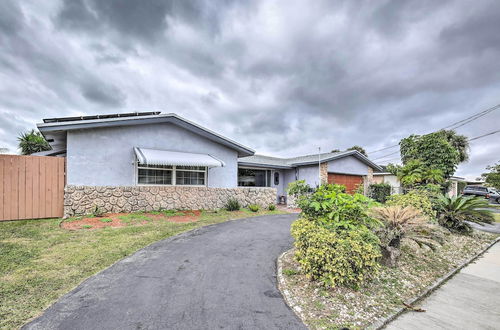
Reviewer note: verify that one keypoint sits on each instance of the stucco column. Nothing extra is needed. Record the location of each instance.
(368, 179)
(323, 170)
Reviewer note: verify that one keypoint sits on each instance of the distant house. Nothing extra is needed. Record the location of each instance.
(385, 176)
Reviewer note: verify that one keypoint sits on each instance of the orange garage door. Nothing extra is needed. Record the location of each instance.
(351, 182)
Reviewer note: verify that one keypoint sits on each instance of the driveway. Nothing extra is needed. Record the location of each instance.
(216, 277)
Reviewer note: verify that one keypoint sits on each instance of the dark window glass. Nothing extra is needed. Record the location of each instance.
(190, 178)
(253, 178)
(150, 176)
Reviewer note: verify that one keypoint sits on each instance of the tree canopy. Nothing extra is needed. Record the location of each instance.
(31, 142)
(492, 178)
(358, 148)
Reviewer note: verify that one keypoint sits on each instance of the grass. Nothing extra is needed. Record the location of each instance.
(497, 217)
(40, 261)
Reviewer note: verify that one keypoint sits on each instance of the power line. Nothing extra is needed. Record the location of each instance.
(481, 136)
(392, 153)
(454, 125)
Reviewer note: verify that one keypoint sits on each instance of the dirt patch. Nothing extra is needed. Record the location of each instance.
(116, 220)
(284, 208)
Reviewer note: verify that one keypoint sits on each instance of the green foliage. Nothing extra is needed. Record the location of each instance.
(97, 212)
(331, 207)
(461, 186)
(345, 258)
(492, 178)
(414, 173)
(31, 142)
(87, 226)
(358, 148)
(454, 211)
(271, 207)
(298, 188)
(253, 207)
(379, 191)
(232, 204)
(335, 150)
(442, 151)
(419, 199)
(105, 220)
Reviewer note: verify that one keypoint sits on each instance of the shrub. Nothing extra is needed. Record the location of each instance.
(419, 199)
(454, 211)
(379, 191)
(97, 212)
(232, 204)
(253, 207)
(335, 258)
(334, 209)
(271, 207)
(398, 223)
(298, 188)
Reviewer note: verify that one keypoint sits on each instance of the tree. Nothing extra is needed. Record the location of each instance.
(335, 150)
(492, 178)
(358, 148)
(415, 173)
(435, 151)
(31, 142)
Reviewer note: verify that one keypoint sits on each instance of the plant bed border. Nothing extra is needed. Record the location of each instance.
(294, 305)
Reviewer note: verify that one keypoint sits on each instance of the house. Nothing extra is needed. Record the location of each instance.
(387, 177)
(349, 168)
(144, 161)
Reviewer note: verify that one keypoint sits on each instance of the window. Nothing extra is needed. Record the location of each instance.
(254, 178)
(171, 175)
(276, 178)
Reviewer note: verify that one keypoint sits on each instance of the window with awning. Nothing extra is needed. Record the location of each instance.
(163, 167)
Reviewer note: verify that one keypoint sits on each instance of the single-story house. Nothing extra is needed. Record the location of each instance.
(119, 155)
(387, 177)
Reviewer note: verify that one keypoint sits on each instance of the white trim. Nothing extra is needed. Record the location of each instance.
(174, 176)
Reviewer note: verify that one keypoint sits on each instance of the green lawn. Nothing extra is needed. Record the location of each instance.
(39, 261)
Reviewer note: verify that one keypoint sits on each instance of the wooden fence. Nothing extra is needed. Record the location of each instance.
(31, 187)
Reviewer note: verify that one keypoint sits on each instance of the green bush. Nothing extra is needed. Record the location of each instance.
(253, 207)
(346, 257)
(379, 191)
(331, 207)
(232, 204)
(454, 211)
(419, 199)
(298, 188)
(271, 207)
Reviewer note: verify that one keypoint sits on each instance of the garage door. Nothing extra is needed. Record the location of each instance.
(351, 182)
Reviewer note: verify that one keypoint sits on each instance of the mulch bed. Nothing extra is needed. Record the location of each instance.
(333, 308)
(116, 220)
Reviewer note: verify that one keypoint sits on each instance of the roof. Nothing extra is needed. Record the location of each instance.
(276, 162)
(166, 157)
(54, 130)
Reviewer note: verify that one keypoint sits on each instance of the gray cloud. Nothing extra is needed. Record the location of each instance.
(282, 77)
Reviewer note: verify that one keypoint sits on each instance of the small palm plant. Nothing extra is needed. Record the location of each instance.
(398, 223)
(453, 212)
(31, 142)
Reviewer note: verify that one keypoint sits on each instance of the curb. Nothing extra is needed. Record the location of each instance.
(440, 281)
(289, 299)
(294, 305)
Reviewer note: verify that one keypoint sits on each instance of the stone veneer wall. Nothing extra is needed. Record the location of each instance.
(79, 200)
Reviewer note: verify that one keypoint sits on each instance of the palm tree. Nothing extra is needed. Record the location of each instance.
(454, 211)
(31, 142)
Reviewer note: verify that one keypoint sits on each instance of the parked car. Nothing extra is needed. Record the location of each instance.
(485, 192)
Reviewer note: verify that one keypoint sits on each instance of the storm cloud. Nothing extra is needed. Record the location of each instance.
(283, 77)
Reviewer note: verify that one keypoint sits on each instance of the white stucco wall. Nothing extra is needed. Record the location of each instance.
(348, 165)
(105, 156)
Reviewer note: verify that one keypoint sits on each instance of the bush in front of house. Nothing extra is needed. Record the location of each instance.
(232, 204)
(379, 191)
(454, 211)
(330, 206)
(402, 223)
(344, 257)
(253, 207)
(418, 198)
(271, 207)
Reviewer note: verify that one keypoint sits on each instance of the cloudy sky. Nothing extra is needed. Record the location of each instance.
(282, 77)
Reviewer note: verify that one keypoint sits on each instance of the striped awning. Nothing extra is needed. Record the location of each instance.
(166, 157)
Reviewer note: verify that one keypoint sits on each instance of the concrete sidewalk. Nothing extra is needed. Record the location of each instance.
(469, 300)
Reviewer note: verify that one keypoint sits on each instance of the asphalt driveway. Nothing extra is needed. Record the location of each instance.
(216, 277)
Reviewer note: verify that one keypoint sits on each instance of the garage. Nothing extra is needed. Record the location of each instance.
(351, 182)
